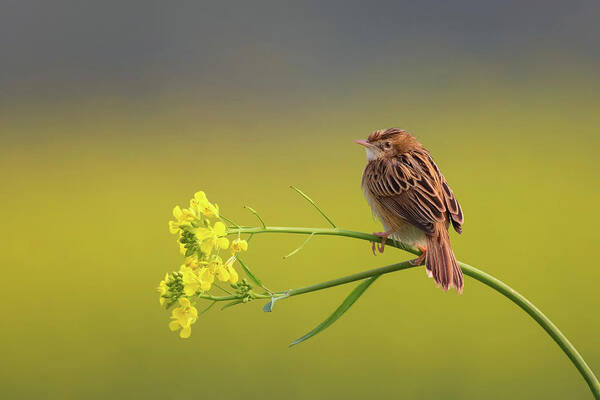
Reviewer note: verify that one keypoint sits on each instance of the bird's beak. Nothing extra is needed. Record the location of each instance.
(364, 143)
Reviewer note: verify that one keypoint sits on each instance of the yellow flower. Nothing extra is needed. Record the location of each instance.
(183, 317)
(211, 237)
(204, 206)
(214, 268)
(238, 245)
(206, 278)
(163, 289)
(233, 275)
(182, 218)
(222, 273)
(192, 261)
(191, 282)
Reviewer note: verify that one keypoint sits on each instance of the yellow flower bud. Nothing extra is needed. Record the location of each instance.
(163, 289)
(239, 245)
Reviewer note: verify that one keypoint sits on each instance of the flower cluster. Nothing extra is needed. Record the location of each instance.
(201, 235)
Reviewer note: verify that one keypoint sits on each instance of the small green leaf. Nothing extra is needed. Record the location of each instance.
(269, 306)
(348, 302)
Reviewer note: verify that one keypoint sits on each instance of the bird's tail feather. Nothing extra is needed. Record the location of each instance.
(441, 263)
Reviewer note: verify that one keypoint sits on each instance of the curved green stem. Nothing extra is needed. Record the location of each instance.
(253, 211)
(542, 320)
(473, 272)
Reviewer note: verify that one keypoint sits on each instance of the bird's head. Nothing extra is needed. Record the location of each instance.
(388, 143)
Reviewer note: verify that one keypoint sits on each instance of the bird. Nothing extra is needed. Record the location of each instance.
(409, 195)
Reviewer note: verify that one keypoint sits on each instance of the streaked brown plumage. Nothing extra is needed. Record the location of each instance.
(411, 197)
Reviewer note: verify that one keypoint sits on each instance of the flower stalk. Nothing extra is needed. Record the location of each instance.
(202, 235)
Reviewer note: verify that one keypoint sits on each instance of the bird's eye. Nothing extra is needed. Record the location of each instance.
(387, 145)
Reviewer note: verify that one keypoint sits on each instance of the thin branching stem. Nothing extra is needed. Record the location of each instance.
(207, 308)
(224, 218)
(253, 211)
(471, 271)
(301, 193)
(251, 275)
(222, 288)
(301, 246)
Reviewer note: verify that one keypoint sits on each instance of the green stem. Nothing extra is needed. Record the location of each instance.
(311, 201)
(300, 247)
(231, 297)
(351, 278)
(473, 272)
(253, 211)
(323, 231)
(542, 320)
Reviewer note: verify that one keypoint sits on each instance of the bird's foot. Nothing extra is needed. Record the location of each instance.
(419, 260)
(380, 247)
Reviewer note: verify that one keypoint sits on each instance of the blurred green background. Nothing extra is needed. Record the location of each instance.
(114, 112)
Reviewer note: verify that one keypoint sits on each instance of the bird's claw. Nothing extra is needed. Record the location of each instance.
(416, 261)
(380, 247)
(419, 260)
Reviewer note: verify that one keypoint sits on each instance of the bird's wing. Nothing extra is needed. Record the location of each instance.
(456, 215)
(411, 187)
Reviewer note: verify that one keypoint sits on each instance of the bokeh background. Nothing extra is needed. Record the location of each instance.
(112, 112)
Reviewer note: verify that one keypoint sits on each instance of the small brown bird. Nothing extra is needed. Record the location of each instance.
(413, 201)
